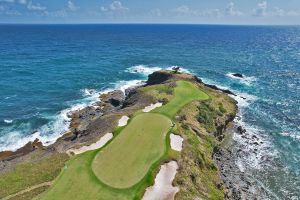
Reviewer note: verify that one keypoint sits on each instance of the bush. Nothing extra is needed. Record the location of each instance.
(222, 109)
(206, 116)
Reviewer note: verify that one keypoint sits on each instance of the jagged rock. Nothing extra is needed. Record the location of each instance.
(158, 77)
(241, 130)
(27, 148)
(238, 75)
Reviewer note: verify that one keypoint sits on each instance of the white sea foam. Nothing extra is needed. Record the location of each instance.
(181, 69)
(247, 80)
(8, 121)
(146, 70)
(14, 140)
(294, 135)
(123, 85)
(59, 123)
(252, 158)
(244, 99)
(255, 145)
(143, 69)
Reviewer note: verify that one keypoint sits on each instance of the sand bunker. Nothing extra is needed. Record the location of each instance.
(100, 143)
(162, 188)
(123, 121)
(151, 107)
(176, 142)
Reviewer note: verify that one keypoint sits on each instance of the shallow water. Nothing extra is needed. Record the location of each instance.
(48, 70)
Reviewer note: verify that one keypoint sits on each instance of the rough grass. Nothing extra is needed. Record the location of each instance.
(31, 173)
(128, 158)
(198, 177)
(31, 194)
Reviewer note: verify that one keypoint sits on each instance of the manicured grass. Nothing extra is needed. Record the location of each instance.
(78, 182)
(126, 166)
(185, 92)
(127, 159)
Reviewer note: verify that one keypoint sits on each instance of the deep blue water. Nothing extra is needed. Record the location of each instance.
(45, 70)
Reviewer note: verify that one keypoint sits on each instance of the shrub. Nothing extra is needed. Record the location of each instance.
(222, 109)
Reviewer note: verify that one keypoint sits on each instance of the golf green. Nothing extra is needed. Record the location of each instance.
(185, 92)
(127, 159)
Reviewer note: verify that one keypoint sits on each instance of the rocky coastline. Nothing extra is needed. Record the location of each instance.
(89, 124)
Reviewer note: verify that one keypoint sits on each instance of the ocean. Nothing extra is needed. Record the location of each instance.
(48, 70)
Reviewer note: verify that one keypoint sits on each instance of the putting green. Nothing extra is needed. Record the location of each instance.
(185, 92)
(127, 159)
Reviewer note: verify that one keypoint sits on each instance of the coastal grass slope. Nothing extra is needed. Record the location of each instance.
(124, 167)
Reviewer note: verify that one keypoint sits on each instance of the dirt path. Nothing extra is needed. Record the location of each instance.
(28, 190)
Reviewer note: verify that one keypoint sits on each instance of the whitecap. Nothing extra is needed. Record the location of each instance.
(243, 99)
(88, 92)
(255, 145)
(247, 80)
(143, 69)
(181, 69)
(59, 124)
(15, 140)
(146, 70)
(294, 135)
(8, 121)
(123, 85)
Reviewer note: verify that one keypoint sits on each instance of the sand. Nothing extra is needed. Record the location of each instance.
(176, 142)
(123, 121)
(151, 107)
(100, 143)
(163, 188)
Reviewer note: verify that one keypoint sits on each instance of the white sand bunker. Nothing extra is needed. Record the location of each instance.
(176, 142)
(152, 106)
(100, 143)
(162, 188)
(123, 121)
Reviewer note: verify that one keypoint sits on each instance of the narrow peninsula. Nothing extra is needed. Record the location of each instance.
(156, 141)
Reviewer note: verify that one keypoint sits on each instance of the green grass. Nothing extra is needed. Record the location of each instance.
(30, 173)
(124, 167)
(185, 92)
(128, 158)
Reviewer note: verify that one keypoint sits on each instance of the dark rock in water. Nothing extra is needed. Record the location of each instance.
(241, 130)
(223, 90)
(238, 75)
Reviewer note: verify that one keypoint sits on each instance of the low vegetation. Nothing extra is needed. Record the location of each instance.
(32, 172)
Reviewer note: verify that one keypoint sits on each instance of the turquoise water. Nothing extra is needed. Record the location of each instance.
(48, 70)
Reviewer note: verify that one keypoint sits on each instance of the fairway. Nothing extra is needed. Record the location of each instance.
(127, 159)
(117, 171)
(185, 92)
